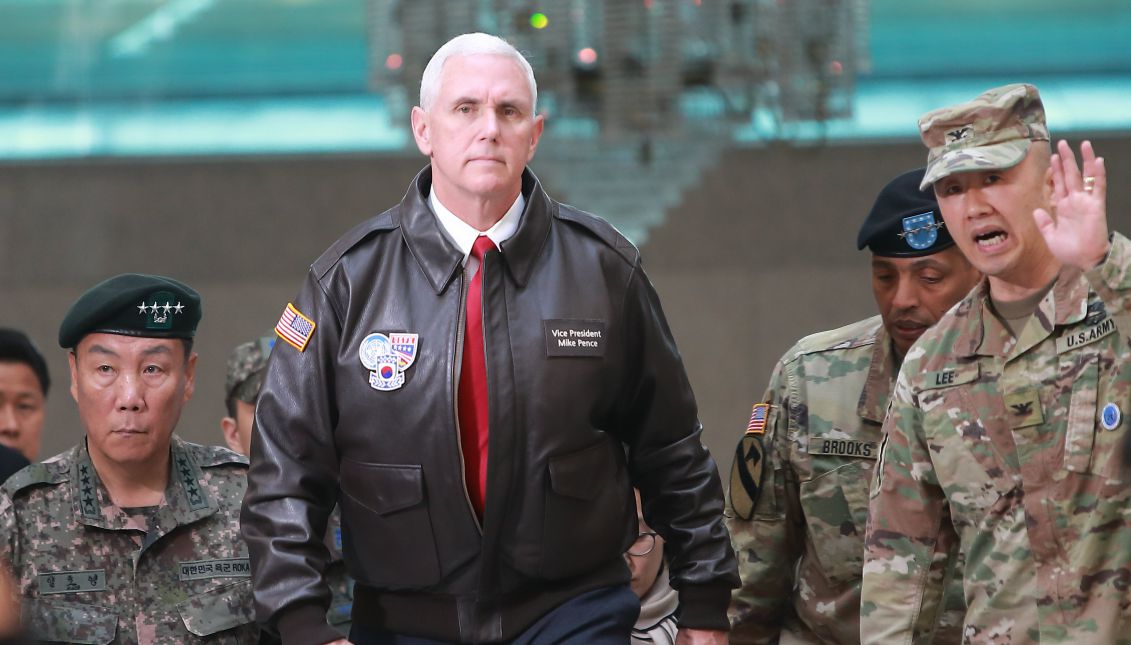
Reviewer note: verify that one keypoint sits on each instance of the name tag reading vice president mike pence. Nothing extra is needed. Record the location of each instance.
(566, 337)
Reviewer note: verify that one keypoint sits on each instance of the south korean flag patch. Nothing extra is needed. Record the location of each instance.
(387, 357)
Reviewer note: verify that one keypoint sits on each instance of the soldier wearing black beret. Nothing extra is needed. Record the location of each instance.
(132, 535)
(800, 479)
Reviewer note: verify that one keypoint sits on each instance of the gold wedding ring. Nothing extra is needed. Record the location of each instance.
(1089, 183)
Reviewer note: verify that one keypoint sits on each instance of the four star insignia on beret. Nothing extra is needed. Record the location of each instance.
(159, 313)
(144, 308)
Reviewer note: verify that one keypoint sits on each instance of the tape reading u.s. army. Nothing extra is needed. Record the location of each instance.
(72, 581)
(1078, 338)
(226, 568)
(843, 447)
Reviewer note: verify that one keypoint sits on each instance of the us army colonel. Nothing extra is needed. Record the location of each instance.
(1007, 421)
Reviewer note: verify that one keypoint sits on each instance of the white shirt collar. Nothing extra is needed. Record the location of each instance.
(463, 234)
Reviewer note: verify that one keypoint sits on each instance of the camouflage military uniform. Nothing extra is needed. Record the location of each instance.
(1013, 447)
(801, 555)
(89, 572)
(341, 584)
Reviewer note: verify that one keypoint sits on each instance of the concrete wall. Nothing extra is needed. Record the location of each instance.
(761, 253)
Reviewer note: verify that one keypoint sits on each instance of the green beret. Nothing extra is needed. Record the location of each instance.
(133, 304)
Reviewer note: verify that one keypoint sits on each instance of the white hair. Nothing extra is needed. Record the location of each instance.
(471, 45)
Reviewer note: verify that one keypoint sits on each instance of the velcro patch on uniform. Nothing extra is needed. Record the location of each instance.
(758, 415)
(746, 474)
(843, 447)
(950, 376)
(295, 328)
(72, 581)
(1024, 408)
(575, 337)
(1073, 338)
(225, 568)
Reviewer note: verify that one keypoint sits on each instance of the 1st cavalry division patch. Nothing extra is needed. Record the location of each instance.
(747, 471)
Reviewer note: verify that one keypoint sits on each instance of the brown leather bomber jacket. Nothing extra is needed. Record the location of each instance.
(587, 397)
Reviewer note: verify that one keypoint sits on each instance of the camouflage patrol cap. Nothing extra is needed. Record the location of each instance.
(991, 132)
(133, 304)
(247, 365)
(905, 221)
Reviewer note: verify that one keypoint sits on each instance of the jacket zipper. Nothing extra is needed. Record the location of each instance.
(457, 366)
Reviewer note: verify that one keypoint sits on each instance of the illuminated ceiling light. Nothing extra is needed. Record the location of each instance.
(587, 56)
(394, 61)
(539, 20)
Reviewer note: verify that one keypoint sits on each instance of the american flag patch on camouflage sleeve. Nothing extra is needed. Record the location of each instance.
(758, 416)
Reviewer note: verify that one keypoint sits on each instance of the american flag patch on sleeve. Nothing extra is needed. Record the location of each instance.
(758, 416)
(295, 328)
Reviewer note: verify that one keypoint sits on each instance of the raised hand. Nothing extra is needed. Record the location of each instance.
(1077, 232)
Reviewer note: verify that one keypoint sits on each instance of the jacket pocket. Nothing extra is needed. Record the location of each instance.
(835, 507)
(221, 609)
(1082, 423)
(588, 502)
(386, 525)
(69, 622)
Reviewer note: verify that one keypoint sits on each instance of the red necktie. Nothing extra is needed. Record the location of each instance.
(473, 386)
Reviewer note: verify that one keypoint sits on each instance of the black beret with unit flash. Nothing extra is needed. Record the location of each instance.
(133, 304)
(905, 221)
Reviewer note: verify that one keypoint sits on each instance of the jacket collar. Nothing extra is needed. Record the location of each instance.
(441, 260)
(1065, 304)
(877, 390)
(186, 499)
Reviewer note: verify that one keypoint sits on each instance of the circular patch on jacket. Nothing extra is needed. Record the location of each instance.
(1111, 416)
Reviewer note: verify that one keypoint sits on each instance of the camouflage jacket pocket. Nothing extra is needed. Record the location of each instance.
(1081, 426)
(836, 510)
(69, 622)
(218, 610)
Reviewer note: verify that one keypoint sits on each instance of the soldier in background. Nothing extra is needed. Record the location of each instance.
(132, 536)
(247, 365)
(24, 383)
(800, 536)
(1006, 424)
(659, 603)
